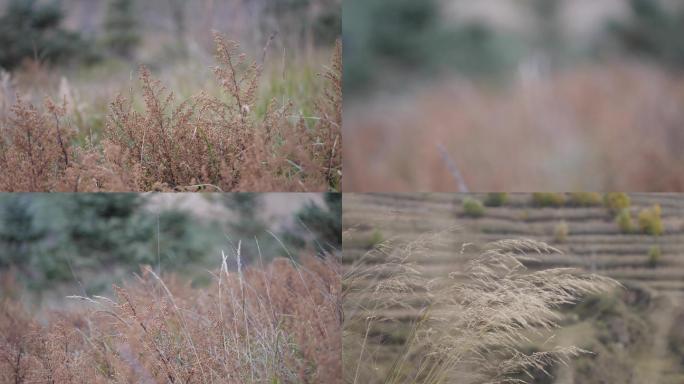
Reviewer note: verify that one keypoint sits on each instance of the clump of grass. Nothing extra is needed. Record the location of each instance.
(277, 324)
(655, 256)
(467, 326)
(616, 202)
(650, 222)
(585, 199)
(203, 142)
(548, 199)
(496, 199)
(473, 207)
(624, 221)
(561, 232)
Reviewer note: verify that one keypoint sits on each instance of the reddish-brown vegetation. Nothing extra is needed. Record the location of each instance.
(589, 128)
(204, 142)
(277, 324)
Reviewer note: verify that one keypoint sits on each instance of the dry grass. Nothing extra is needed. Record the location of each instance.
(591, 127)
(472, 325)
(201, 143)
(277, 324)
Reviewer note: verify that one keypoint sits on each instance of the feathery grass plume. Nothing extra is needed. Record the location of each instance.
(276, 324)
(470, 325)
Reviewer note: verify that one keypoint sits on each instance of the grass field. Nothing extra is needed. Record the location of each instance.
(246, 130)
(632, 331)
(275, 323)
(603, 127)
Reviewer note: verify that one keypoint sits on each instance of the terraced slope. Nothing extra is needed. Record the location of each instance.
(593, 242)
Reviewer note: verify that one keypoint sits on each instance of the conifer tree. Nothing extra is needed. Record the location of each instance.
(121, 27)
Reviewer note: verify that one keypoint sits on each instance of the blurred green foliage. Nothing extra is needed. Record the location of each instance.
(293, 19)
(121, 28)
(473, 207)
(386, 40)
(316, 227)
(408, 35)
(31, 30)
(585, 199)
(48, 238)
(624, 221)
(653, 31)
(655, 256)
(248, 227)
(548, 199)
(496, 199)
(52, 238)
(20, 233)
(324, 223)
(616, 202)
(650, 221)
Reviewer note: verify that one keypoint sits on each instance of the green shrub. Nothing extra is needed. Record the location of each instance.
(548, 199)
(413, 37)
(324, 222)
(616, 202)
(30, 29)
(473, 207)
(624, 221)
(560, 233)
(19, 232)
(121, 27)
(47, 236)
(294, 21)
(650, 222)
(653, 31)
(585, 199)
(654, 256)
(496, 199)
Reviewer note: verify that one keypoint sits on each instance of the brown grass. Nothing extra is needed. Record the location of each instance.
(202, 143)
(277, 324)
(587, 128)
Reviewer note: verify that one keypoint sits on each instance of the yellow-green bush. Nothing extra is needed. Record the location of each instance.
(548, 199)
(624, 221)
(650, 222)
(585, 199)
(496, 199)
(473, 207)
(376, 238)
(616, 202)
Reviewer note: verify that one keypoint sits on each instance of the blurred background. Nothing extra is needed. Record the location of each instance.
(54, 245)
(87, 51)
(514, 95)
